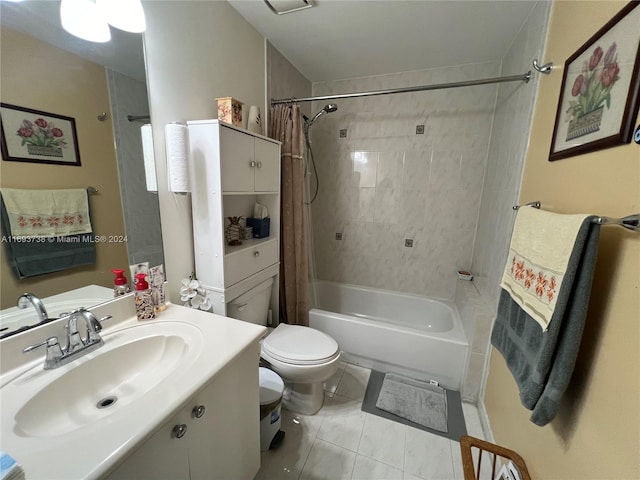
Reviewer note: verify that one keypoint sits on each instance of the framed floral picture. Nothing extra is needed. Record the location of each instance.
(33, 136)
(600, 91)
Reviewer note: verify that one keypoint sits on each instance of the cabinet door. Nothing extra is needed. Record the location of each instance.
(236, 161)
(267, 166)
(224, 443)
(162, 457)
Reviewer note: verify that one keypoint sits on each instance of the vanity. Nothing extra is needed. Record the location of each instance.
(175, 398)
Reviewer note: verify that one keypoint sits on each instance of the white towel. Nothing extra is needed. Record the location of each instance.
(47, 213)
(539, 253)
(9, 468)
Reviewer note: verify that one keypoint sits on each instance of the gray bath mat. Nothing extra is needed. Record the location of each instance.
(418, 402)
(455, 418)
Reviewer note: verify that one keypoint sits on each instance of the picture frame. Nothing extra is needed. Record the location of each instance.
(35, 136)
(600, 92)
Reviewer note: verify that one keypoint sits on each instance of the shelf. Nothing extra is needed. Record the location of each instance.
(250, 193)
(246, 245)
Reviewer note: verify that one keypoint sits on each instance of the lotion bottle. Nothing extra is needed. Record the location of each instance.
(144, 302)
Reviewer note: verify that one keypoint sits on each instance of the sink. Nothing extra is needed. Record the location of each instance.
(132, 363)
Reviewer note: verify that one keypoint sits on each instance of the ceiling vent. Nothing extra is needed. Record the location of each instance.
(280, 7)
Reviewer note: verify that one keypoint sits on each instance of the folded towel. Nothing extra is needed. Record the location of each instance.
(9, 468)
(47, 212)
(542, 361)
(32, 256)
(541, 245)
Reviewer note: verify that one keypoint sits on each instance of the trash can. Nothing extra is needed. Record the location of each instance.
(271, 388)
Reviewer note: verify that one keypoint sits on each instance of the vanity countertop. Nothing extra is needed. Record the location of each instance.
(93, 450)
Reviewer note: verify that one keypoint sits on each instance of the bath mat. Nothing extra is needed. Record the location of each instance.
(456, 426)
(418, 402)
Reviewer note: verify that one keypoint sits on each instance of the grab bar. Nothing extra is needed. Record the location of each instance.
(630, 222)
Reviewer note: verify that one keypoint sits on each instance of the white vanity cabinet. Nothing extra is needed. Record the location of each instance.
(230, 170)
(216, 435)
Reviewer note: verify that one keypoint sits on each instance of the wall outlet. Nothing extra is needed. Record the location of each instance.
(408, 242)
(343, 133)
(338, 235)
(419, 129)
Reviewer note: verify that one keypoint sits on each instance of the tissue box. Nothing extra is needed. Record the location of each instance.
(230, 111)
(260, 226)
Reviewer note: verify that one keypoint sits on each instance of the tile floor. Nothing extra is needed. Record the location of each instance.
(342, 442)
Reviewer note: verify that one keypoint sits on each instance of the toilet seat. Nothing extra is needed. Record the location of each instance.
(298, 345)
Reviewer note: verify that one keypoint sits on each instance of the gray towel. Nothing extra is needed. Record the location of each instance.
(542, 362)
(29, 259)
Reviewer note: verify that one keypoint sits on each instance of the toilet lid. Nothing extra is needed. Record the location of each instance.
(300, 345)
(271, 386)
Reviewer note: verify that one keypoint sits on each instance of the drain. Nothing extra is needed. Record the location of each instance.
(107, 402)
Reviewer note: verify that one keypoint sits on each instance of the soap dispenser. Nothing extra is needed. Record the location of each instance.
(144, 302)
(120, 284)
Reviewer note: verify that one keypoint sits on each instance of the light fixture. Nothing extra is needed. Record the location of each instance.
(126, 15)
(81, 18)
(281, 7)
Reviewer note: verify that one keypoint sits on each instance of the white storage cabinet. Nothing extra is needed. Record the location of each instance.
(231, 169)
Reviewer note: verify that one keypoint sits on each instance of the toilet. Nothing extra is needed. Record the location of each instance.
(303, 357)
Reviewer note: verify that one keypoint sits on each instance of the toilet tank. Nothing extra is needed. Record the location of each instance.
(253, 305)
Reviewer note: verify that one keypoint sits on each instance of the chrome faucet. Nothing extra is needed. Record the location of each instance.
(76, 346)
(27, 299)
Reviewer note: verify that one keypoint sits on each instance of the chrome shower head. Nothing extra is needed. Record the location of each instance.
(329, 108)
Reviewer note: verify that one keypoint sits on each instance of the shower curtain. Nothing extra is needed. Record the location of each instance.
(285, 125)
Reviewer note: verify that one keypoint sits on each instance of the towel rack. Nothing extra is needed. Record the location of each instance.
(92, 190)
(630, 222)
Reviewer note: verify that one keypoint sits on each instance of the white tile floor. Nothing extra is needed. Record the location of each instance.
(342, 442)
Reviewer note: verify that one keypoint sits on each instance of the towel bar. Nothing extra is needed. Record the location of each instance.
(630, 222)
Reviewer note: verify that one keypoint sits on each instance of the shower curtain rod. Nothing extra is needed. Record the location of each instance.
(525, 77)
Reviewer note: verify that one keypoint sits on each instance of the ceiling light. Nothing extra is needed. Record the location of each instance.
(80, 18)
(126, 15)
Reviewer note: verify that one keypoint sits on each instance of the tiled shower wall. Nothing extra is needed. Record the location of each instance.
(140, 207)
(477, 301)
(401, 179)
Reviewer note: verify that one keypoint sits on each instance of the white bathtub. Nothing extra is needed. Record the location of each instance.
(416, 336)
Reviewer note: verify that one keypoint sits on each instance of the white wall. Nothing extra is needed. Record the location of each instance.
(195, 52)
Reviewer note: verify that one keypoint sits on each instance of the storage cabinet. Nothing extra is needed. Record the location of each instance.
(215, 436)
(231, 170)
(248, 164)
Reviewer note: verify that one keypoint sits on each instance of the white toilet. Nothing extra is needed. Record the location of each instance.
(302, 356)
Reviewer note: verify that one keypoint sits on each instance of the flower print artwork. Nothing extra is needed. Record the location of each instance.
(42, 134)
(40, 137)
(591, 92)
(599, 100)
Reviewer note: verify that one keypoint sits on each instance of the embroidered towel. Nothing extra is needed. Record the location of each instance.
(32, 256)
(47, 213)
(542, 362)
(539, 253)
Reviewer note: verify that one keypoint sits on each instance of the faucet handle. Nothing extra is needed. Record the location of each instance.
(49, 342)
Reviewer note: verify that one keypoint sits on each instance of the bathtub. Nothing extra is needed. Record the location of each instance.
(416, 336)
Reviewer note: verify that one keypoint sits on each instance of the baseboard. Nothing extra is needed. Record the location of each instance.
(484, 421)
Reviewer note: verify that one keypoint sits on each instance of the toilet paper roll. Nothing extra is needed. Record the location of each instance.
(177, 145)
(149, 161)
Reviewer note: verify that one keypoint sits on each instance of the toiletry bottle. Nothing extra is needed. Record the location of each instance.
(120, 284)
(144, 303)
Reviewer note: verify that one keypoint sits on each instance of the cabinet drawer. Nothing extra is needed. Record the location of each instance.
(239, 265)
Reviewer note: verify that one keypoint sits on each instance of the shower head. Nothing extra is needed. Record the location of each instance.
(329, 108)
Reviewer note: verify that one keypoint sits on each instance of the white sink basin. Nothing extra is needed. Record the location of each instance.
(132, 362)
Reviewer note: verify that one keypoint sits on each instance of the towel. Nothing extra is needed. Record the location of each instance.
(30, 256)
(542, 361)
(47, 213)
(541, 245)
(9, 468)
